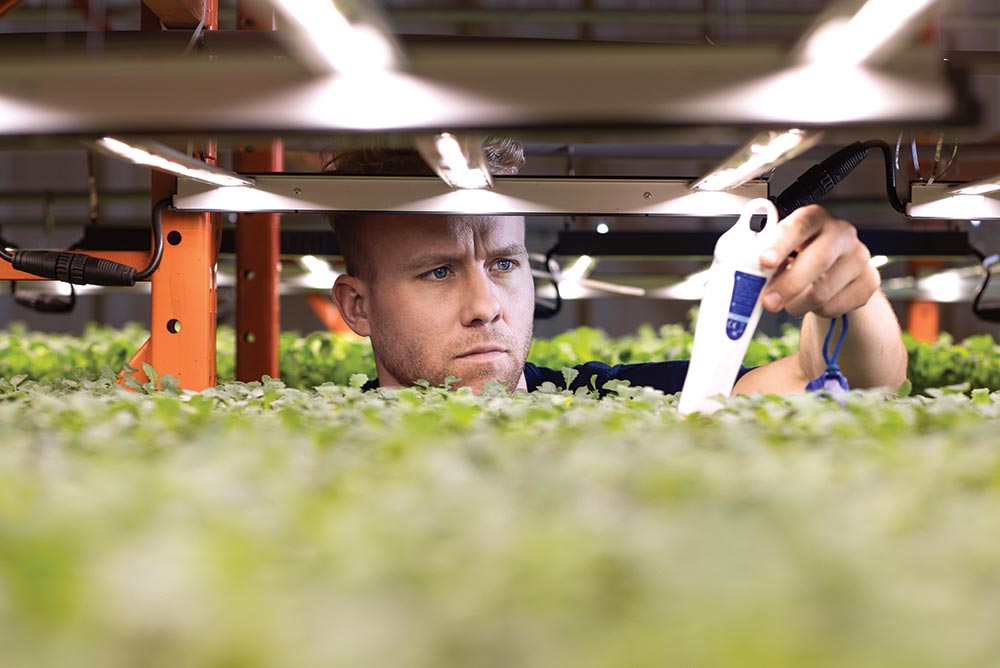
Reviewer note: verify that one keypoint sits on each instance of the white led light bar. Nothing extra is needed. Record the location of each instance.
(470, 88)
(328, 193)
(942, 201)
(337, 35)
(459, 162)
(852, 40)
(981, 187)
(157, 156)
(761, 154)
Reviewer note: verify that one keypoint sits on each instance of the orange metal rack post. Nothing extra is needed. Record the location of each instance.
(923, 320)
(923, 317)
(7, 5)
(183, 303)
(258, 319)
(327, 312)
(258, 314)
(183, 298)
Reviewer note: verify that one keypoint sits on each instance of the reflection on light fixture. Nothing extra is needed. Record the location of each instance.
(945, 286)
(314, 264)
(319, 274)
(328, 39)
(980, 187)
(691, 288)
(878, 261)
(569, 280)
(764, 152)
(581, 268)
(574, 284)
(460, 163)
(849, 42)
(156, 155)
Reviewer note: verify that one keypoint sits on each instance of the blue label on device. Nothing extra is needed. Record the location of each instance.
(746, 289)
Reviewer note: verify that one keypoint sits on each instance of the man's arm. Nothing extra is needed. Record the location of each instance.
(830, 275)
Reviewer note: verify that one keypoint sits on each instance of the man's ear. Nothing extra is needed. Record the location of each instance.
(350, 294)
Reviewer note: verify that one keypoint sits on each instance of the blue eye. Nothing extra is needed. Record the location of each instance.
(440, 273)
(505, 265)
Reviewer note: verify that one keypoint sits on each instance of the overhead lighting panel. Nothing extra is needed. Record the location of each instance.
(337, 35)
(157, 156)
(460, 163)
(761, 154)
(980, 187)
(974, 201)
(845, 40)
(330, 193)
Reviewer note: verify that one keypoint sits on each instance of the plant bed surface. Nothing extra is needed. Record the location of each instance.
(321, 357)
(260, 525)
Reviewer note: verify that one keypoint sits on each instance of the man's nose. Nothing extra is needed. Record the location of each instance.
(482, 303)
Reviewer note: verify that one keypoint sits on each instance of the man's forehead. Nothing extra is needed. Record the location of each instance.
(464, 220)
(448, 228)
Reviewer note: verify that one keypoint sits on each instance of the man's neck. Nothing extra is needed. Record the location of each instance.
(522, 384)
(386, 379)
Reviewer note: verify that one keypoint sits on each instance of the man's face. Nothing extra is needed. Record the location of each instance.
(450, 296)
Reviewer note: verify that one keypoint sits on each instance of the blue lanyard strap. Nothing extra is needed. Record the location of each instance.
(832, 381)
(831, 359)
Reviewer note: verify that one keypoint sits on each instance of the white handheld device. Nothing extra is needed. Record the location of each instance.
(729, 311)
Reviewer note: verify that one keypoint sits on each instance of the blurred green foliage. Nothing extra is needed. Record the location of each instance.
(257, 525)
(320, 357)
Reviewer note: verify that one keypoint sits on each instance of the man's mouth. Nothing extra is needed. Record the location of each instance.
(486, 353)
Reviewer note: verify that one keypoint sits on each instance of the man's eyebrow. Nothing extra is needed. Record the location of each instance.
(514, 250)
(429, 260)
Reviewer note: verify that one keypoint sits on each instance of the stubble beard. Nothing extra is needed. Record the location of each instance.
(409, 365)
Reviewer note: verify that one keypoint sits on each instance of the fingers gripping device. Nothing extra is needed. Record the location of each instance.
(730, 311)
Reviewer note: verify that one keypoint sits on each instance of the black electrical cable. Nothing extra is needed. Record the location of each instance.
(987, 313)
(154, 262)
(544, 311)
(821, 178)
(83, 269)
(45, 302)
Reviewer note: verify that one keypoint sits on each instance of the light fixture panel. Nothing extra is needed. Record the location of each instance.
(761, 154)
(329, 193)
(938, 201)
(158, 156)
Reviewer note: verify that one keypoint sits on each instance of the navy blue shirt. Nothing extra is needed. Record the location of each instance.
(665, 376)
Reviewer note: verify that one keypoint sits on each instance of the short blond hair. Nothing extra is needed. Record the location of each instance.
(504, 157)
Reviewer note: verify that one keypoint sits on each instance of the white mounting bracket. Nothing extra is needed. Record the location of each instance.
(326, 193)
(935, 201)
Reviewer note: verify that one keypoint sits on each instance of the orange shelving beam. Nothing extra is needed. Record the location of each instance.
(258, 306)
(183, 303)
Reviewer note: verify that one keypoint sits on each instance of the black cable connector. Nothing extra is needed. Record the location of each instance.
(820, 179)
(83, 269)
(73, 268)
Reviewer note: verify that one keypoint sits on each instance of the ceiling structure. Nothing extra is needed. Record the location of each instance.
(580, 71)
(597, 88)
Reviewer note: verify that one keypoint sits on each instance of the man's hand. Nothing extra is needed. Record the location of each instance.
(831, 273)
